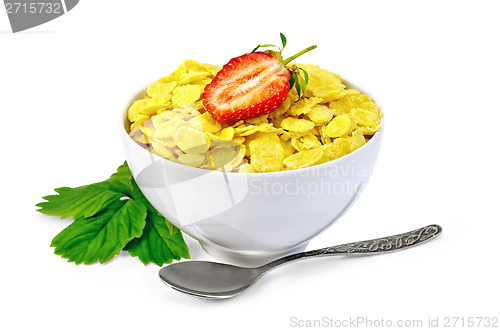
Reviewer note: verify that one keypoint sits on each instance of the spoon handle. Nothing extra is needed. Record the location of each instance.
(367, 247)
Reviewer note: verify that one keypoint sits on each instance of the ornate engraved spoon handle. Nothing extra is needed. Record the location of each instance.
(374, 246)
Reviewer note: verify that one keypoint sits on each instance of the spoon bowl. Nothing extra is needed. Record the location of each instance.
(206, 279)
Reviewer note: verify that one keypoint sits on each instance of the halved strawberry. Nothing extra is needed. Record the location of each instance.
(253, 84)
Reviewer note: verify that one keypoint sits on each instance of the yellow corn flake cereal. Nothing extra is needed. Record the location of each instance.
(160, 150)
(148, 128)
(364, 117)
(160, 88)
(314, 131)
(307, 141)
(227, 167)
(322, 83)
(185, 68)
(246, 168)
(160, 99)
(270, 129)
(239, 159)
(296, 125)
(237, 124)
(138, 122)
(169, 128)
(221, 144)
(238, 140)
(208, 123)
(195, 72)
(246, 130)
(153, 109)
(248, 140)
(180, 112)
(303, 106)
(157, 120)
(368, 104)
(195, 123)
(199, 106)
(176, 75)
(187, 111)
(194, 66)
(323, 136)
(304, 158)
(191, 140)
(167, 142)
(288, 147)
(227, 134)
(186, 95)
(289, 135)
(266, 152)
(358, 139)
(192, 159)
(338, 126)
(295, 144)
(183, 113)
(213, 70)
(192, 77)
(320, 114)
(340, 106)
(276, 121)
(202, 83)
(190, 71)
(329, 150)
(262, 119)
(338, 148)
(223, 156)
(369, 131)
(134, 112)
(353, 99)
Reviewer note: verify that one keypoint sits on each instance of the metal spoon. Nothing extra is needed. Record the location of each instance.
(221, 281)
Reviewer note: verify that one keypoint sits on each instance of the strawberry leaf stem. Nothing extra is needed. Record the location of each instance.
(262, 46)
(293, 57)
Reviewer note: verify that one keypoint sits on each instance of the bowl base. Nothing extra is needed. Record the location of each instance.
(248, 258)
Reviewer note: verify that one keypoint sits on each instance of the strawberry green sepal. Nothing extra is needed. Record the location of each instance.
(298, 76)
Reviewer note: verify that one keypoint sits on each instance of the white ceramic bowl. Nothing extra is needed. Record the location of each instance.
(250, 219)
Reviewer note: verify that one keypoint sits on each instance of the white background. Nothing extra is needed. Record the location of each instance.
(434, 67)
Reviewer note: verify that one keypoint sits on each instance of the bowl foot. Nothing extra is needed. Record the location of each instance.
(248, 258)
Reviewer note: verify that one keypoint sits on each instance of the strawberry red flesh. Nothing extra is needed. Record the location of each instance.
(247, 86)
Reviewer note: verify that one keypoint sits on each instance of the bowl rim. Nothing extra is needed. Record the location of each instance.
(317, 167)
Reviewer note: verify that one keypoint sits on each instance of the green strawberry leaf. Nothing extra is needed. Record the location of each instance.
(123, 175)
(102, 236)
(83, 201)
(109, 215)
(160, 242)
